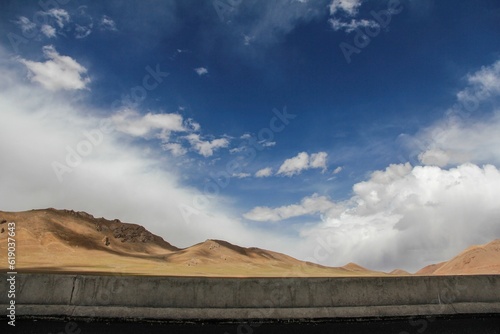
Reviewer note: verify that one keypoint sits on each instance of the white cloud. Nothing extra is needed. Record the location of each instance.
(57, 73)
(206, 148)
(456, 140)
(318, 160)
(114, 179)
(351, 26)
(175, 148)
(135, 124)
(201, 71)
(444, 142)
(295, 165)
(48, 31)
(410, 217)
(107, 23)
(309, 205)
(264, 172)
(301, 162)
(349, 7)
(482, 84)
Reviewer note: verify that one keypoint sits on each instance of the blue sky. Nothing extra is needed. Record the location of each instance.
(389, 104)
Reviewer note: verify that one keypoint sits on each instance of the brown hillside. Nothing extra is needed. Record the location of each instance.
(69, 241)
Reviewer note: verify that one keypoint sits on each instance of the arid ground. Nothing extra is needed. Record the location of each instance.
(67, 241)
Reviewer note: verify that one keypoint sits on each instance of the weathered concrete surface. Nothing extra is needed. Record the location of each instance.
(251, 298)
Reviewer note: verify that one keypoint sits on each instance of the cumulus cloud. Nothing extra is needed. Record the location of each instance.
(264, 172)
(135, 124)
(318, 160)
(175, 148)
(348, 7)
(201, 71)
(352, 25)
(410, 217)
(57, 73)
(301, 162)
(309, 205)
(295, 165)
(482, 84)
(48, 31)
(206, 148)
(443, 143)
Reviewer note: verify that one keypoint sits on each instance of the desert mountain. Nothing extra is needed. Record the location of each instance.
(69, 241)
(399, 272)
(481, 259)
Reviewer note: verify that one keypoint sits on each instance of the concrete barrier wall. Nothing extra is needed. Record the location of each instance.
(61, 293)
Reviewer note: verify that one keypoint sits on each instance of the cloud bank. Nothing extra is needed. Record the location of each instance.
(103, 174)
(410, 216)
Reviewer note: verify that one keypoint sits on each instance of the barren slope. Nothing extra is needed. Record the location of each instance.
(481, 259)
(68, 241)
(63, 240)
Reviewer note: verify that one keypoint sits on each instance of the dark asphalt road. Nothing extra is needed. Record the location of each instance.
(483, 324)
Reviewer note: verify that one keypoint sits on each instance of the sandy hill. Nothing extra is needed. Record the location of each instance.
(357, 268)
(399, 272)
(69, 241)
(481, 259)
